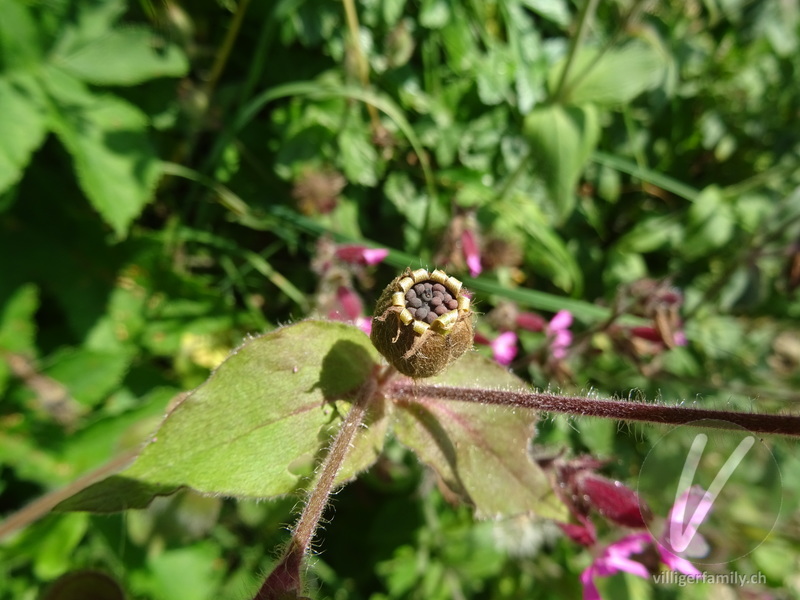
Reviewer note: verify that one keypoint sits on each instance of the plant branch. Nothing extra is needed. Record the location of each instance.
(41, 506)
(285, 577)
(584, 17)
(788, 425)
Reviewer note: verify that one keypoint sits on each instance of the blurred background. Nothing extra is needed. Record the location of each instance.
(616, 182)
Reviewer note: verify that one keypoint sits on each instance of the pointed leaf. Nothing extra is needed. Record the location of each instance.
(480, 452)
(116, 163)
(124, 57)
(615, 77)
(256, 427)
(23, 121)
(562, 140)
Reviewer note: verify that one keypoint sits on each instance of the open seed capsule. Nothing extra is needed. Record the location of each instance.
(423, 322)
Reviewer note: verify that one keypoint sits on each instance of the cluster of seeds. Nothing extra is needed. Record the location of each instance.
(427, 301)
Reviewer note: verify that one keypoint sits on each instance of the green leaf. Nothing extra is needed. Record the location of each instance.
(434, 14)
(556, 11)
(21, 45)
(88, 375)
(357, 155)
(259, 423)
(23, 121)
(107, 138)
(54, 553)
(17, 326)
(562, 140)
(613, 77)
(711, 224)
(124, 57)
(480, 452)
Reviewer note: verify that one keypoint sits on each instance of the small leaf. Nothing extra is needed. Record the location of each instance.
(358, 157)
(259, 423)
(21, 44)
(23, 123)
(562, 140)
(617, 76)
(90, 376)
(54, 553)
(125, 57)
(480, 452)
(106, 136)
(17, 325)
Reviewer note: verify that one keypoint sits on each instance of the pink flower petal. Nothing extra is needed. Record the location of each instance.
(351, 304)
(590, 591)
(364, 324)
(676, 563)
(504, 347)
(616, 559)
(560, 321)
(471, 253)
(361, 255)
(685, 518)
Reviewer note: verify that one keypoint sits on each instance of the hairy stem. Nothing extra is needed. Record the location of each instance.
(285, 578)
(624, 410)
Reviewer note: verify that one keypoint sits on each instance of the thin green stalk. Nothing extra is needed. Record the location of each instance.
(584, 18)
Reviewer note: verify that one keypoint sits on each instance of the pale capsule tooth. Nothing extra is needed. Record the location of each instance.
(439, 276)
(445, 323)
(405, 284)
(463, 303)
(405, 316)
(420, 327)
(454, 285)
(399, 299)
(420, 275)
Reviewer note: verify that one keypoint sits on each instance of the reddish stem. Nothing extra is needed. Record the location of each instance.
(285, 581)
(623, 410)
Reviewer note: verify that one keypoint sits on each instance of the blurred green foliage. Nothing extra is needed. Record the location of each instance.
(199, 150)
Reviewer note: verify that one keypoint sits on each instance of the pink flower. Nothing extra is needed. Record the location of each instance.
(360, 255)
(504, 346)
(616, 558)
(558, 330)
(471, 253)
(350, 309)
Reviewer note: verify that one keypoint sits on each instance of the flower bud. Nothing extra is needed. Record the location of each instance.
(422, 322)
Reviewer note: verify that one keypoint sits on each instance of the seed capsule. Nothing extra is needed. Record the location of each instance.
(423, 322)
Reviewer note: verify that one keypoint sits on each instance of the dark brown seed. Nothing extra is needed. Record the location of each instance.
(440, 310)
(432, 316)
(436, 301)
(438, 287)
(415, 302)
(411, 294)
(422, 312)
(452, 304)
(419, 288)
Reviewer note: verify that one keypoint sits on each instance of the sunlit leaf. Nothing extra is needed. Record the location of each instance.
(611, 77)
(257, 426)
(23, 121)
(480, 452)
(124, 57)
(562, 140)
(107, 139)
